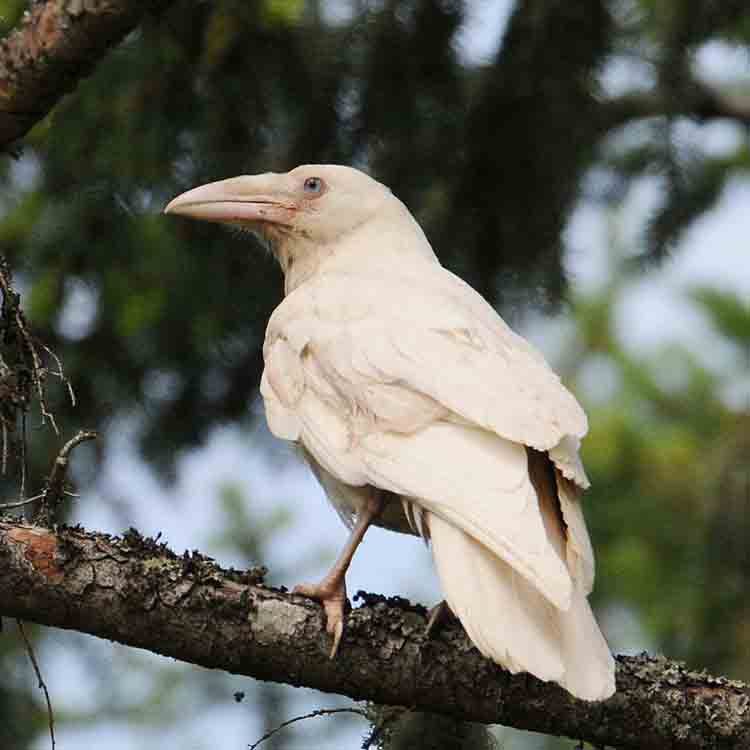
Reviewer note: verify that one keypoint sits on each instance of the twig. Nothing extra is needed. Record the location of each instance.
(55, 490)
(38, 371)
(41, 683)
(22, 378)
(312, 715)
(20, 503)
(5, 447)
(61, 374)
(61, 462)
(22, 488)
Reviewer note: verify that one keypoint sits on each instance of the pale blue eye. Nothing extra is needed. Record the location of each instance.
(313, 185)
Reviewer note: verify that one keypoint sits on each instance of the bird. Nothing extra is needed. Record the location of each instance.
(420, 410)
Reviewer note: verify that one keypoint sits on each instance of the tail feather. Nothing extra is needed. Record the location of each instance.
(589, 666)
(506, 618)
(511, 623)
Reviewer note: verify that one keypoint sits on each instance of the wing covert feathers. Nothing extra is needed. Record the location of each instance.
(435, 338)
(480, 484)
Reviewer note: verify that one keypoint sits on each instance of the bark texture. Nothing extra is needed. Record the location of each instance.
(137, 592)
(57, 43)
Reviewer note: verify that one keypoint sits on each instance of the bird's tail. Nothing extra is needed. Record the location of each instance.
(510, 622)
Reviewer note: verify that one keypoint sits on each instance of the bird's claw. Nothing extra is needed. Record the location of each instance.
(333, 598)
(334, 625)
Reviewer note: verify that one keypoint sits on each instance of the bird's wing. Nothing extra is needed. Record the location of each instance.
(464, 474)
(428, 399)
(435, 336)
(478, 483)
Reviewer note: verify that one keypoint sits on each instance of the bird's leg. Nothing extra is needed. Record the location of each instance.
(331, 590)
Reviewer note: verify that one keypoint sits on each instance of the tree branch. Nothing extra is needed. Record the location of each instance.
(56, 44)
(135, 591)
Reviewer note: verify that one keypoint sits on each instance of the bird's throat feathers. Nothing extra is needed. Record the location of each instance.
(387, 240)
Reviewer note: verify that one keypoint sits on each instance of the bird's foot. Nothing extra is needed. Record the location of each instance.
(332, 595)
(436, 617)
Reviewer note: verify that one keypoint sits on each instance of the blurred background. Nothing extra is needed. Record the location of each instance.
(585, 165)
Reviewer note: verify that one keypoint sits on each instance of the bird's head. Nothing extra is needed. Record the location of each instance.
(312, 204)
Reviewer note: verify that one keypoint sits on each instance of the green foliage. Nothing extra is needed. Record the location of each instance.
(691, 191)
(10, 12)
(729, 315)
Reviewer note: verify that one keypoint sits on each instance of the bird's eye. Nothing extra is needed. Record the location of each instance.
(313, 185)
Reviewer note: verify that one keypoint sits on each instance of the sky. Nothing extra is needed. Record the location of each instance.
(714, 251)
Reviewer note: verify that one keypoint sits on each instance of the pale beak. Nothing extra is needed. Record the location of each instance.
(238, 200)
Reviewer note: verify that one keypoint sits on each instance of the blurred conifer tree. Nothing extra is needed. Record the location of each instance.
(163, 320)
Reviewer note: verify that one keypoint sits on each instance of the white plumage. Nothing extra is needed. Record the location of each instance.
(419, 409)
